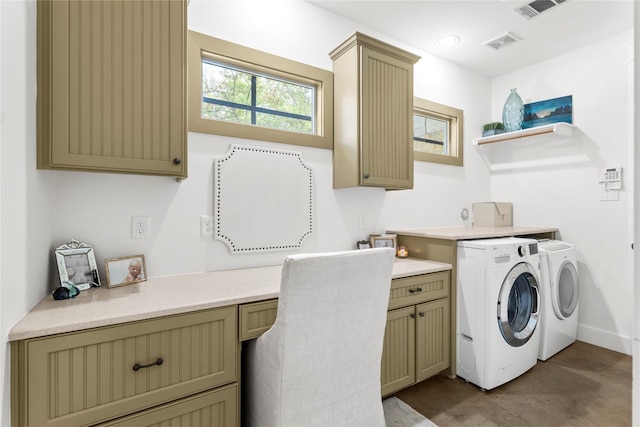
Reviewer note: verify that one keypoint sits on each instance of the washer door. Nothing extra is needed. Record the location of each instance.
(518, 305)
(564, 291)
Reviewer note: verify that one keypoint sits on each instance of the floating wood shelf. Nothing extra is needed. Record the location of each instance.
(560, 129)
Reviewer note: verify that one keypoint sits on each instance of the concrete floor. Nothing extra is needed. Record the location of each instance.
(583, 385)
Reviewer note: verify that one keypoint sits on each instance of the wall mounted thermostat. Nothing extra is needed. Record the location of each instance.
(610, 181)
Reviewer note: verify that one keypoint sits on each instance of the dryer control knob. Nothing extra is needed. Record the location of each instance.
(521, 251)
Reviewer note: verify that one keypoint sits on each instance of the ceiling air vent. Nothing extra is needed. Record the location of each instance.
(501, 41)
(535, 8)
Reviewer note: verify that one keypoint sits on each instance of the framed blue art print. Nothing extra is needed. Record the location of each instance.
(547, 112)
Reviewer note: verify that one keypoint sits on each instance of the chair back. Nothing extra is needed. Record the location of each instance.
(319, 364)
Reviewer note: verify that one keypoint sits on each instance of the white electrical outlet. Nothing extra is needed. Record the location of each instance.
(206, 225)
(139, 227)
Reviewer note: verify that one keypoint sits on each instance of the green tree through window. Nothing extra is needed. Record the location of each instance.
(234, 95)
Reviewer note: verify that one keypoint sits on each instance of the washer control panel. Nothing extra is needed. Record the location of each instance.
(527, 249)
(504, 253)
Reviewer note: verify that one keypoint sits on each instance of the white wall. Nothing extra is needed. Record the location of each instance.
(556, 184)
(42, 209)
(636, 224)
(26, 220)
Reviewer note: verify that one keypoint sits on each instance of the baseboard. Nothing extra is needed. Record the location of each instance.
(605, 339)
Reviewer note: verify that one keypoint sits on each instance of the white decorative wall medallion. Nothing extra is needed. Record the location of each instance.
(263, 199)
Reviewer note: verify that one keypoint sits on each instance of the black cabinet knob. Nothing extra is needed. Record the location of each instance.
(177, 161)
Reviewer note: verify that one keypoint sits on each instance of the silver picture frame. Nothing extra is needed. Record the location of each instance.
(77, 264)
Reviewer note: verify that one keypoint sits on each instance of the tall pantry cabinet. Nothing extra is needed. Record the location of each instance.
(111, 79)
(373, 114)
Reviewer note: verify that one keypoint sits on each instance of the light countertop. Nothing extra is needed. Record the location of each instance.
(467, 233)
(169, 295)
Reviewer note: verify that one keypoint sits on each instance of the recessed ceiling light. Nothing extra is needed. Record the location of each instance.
(446, 42)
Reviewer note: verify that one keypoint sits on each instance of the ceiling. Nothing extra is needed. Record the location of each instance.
(564, 27)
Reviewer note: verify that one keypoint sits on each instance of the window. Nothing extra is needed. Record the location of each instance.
(241, 92)
(437, 133)
(239, 96)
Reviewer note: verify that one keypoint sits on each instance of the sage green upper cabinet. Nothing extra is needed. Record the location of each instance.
(373, 112)
(111, 81)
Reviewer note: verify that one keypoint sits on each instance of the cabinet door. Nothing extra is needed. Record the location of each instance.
(111, 86)
(387, 114)
(217, 408)
(432, 338)
(92, 376)
(398, 354)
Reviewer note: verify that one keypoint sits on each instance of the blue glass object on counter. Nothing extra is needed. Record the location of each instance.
(73, 289)
(513, 112)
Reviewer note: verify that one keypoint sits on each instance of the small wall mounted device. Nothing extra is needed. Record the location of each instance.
(610, 181)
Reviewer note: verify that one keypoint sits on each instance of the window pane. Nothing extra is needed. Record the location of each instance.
(430, 135)
(284, 96)
(225, 84)
(437, 133)
(243, 97)
(284, 123)
(229, 114)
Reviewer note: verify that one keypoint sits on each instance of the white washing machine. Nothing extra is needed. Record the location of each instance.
(497, 310)
(559, 297)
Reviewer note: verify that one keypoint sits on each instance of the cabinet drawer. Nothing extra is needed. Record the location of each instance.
(87, 377)
(257, 318)
(217, 408)
(418, 289)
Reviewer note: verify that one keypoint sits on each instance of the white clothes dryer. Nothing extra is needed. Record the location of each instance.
(497, 309)
(559, 288)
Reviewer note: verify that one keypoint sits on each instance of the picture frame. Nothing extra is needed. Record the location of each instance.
(125, 270)
(76, 263)
(363, 244)
(383, 240)
(548, 111)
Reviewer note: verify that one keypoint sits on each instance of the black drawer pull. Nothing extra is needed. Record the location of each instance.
(413, 291)
(138, 366)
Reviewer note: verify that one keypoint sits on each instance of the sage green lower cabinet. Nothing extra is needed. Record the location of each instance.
(432, 338)
(217, 408)
(399, 354)
(417, 335)
(150, 371)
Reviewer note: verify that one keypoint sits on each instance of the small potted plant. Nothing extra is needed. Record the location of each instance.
(493, 128)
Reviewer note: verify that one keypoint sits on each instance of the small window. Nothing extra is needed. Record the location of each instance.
(241, 92)
(437, 133)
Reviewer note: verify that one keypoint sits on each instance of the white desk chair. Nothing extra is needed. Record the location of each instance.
(319, 364)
